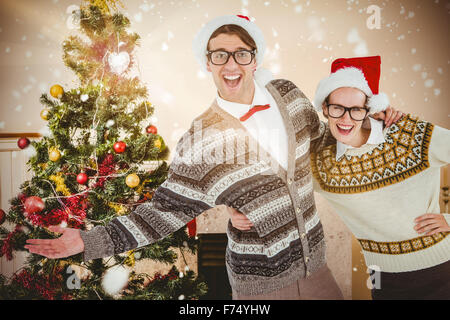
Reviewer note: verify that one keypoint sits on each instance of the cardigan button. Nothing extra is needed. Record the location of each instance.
(306, 259)
(308, 273)
(303, 235)
(289, 181)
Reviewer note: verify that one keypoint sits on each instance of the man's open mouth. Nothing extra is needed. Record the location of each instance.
(232, 81)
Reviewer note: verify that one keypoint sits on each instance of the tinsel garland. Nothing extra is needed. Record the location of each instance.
(46, 286)
(105, 168)
(77, 206)
(60, 185)
(7, 247)
(140, 188)
(130, 260)
(73, 213)
(158, 277)
(120, 209)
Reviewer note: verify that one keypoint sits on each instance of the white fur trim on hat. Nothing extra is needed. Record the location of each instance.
(200, 42)
(378, 102)
(346, 77)
(263, 76)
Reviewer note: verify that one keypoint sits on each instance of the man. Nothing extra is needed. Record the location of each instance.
(282, 255)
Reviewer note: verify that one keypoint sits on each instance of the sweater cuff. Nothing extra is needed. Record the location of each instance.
(97, 244)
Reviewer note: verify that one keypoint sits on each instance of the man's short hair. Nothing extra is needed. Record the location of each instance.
(233, 29)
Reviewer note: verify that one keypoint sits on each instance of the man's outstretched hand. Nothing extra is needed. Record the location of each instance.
(69, 244)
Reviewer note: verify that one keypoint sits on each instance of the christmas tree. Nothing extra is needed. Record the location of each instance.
(99, 159)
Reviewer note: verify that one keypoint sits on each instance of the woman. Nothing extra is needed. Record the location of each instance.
(381, 181)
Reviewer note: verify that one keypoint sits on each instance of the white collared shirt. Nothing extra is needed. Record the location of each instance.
(266, 126)
(376, 137)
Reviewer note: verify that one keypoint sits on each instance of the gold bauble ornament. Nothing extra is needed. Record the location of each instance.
(132, 180)
(157, 144)
(56, 91)
(54, 154)
(44, 114)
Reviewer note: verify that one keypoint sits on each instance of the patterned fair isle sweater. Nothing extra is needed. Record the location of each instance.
(378, 190)
(287, 240)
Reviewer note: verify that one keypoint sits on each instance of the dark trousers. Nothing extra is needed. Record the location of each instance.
(426, 284)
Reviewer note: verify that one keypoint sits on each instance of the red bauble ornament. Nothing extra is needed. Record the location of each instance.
(119, 146)
(151, 129)
(82, 178)
(34, 204)
(2, 216)
(22, 143)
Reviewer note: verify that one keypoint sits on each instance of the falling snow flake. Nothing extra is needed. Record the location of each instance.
(417, 67)
(201, 74)
(138, 17)
(361, 49)
(429, 83)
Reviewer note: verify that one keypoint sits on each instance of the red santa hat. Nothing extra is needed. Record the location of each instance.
(200, 43)
(361, 73)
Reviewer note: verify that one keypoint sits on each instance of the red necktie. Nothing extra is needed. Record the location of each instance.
(253, 110)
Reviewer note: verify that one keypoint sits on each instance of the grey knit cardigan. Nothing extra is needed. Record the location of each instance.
(218, 163)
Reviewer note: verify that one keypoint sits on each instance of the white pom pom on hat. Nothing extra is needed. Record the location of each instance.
(378, 102)
(362, 73)
(115, 279)
(263, 76)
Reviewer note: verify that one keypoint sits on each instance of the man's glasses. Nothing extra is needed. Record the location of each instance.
(221, 57)
(338, 111)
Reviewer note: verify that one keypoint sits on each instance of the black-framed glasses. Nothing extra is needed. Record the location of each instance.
(338, 111)
(221, 57)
